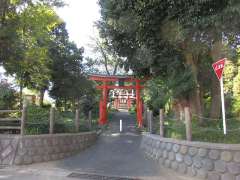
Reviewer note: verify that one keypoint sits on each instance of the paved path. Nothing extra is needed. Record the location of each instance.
(114, 154)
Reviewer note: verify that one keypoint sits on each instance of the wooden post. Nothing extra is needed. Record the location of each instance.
(77, 120)
(188, 122)
(145, 115)
(51, 120)
(23, 118)
(90, 119)
(161, 118)
(150, 118)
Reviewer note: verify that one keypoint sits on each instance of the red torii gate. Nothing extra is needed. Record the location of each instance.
(105, 87)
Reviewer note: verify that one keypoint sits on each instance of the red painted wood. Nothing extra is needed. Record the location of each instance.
(105, 88)
(119, 87)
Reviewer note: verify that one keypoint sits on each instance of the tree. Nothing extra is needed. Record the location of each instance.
(71, 84)
(186, 36)
(105, 56)
(31, 67)
(8, 96)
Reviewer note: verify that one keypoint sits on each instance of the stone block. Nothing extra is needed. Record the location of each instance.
(5, 143)
(165, 154)
(18, 160)
(174, 165)
(197, 162)
(193, 151)
(182, 168)
(27, 159)
(31, 151)
(228, 176)
(22, 151)
(176, 148)
(226, 156)
(191, 171)
(45, 142)
(207, 164)
(37, 159)
(169, 146)
(233, 168)
(171, 156)
(238, 177)
(202, 152)
(179, 157)
(213, 176)
(220, 166)
(188, 160)
(183, 149)
(38, 142)
(160, 153)
(167, 163)
(46, 158)
(201, 173)
(6, 152)
(163, 145)
(214, 154)
(161, 161)
(236, 157)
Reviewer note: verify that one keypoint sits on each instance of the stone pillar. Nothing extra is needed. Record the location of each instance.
(77, 120)
(145, 115)
(150, 118)
(23, 118)
(90, 119)
(188, 123)
(161, 119)
(51, 120)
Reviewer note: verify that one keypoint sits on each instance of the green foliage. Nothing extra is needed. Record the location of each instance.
(157, 94)
(38, 121)
(133, 109)
(236, 93)
(8, 96)
(211, 132)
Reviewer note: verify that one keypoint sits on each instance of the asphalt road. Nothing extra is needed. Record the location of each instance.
(114, 155)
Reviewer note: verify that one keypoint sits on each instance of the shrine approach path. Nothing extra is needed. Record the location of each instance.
(114, 155)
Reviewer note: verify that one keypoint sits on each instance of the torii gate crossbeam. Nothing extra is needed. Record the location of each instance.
(105, 88)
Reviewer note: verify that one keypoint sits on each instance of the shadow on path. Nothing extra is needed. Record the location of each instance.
(114, 154)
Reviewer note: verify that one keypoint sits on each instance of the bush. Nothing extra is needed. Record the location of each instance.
(38, 121)
(8, 96)
(211, 131)
(133, 109)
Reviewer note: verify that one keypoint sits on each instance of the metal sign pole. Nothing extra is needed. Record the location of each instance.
(120, 125)
(223, 106)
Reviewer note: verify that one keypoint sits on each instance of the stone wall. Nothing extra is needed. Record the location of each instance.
(18, 150)
(210, 161)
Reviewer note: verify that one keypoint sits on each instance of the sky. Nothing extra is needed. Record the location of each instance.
(80, 16)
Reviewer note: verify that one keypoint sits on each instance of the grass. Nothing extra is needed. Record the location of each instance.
(210, 131)
(38, 121)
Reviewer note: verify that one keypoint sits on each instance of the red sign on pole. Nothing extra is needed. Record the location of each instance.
(218, 67)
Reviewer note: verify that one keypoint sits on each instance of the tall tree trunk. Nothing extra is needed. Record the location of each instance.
(21, 94)
(215, 98)
(195, 97)
(41, 97)
(216, 53)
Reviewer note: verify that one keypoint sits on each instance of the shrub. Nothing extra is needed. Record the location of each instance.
(8, 96)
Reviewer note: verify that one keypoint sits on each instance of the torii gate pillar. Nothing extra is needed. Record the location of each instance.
(139, 103)
(103, 105)
(104, 99)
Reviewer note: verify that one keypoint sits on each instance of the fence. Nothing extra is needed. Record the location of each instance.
(210, 130)
(18, 125)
